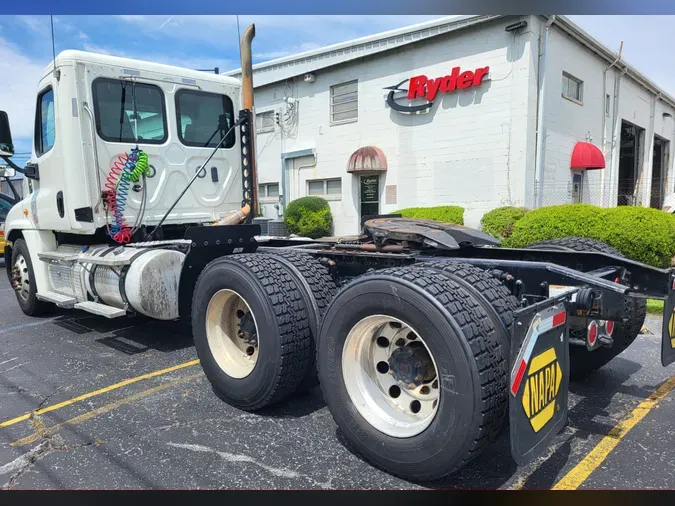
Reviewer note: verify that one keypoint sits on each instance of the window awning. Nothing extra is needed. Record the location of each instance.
(587, 156)
(367, 159)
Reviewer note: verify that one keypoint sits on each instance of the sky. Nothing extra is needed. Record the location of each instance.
(205, 42)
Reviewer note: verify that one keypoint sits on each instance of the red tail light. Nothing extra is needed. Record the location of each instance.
(609, 327)
(592, 332)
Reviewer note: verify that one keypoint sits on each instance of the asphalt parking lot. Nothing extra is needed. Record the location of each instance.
(87, 402)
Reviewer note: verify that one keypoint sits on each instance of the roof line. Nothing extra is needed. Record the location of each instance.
(298, 58)
(572, 29)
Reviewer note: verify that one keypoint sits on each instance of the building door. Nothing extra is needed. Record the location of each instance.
(659, 173)
(370, 195)
(577, 187)
(630, 161)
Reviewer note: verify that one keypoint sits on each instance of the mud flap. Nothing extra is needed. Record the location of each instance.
(539, 383)
(668, 330)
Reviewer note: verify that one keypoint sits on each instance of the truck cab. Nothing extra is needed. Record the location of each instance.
(92, 109)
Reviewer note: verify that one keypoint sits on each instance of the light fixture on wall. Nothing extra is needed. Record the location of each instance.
(667, 115)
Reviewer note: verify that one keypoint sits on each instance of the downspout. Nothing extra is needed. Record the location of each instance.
(539, 156)
(283, 183)
(616, 131)
(298, 172)
(604, 122)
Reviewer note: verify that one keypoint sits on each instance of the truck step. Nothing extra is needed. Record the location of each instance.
(57, 298)
(108, 261)
(58, 257)
(100, 309)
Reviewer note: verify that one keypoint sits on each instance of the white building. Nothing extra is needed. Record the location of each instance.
(516, 110)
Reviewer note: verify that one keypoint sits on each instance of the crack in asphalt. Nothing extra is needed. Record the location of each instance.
(241, 458)
(50, 443)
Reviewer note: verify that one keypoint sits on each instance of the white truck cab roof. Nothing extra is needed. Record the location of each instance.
(70, 56)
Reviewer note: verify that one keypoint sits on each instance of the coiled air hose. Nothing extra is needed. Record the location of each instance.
(128, 167)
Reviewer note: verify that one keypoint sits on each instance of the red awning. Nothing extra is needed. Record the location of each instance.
(367, 159)
(587, 156)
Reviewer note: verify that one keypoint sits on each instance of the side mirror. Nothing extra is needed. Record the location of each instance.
(7, 171)
(6, 145)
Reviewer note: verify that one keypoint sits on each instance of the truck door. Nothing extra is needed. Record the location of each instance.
(47, 209)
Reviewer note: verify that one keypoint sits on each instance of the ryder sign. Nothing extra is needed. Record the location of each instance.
(428, 88)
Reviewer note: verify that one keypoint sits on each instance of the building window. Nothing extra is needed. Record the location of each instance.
(268, 190)
(199, 114)
(119, 120)
(607, 104)
(572, 88)
(344, 103)
(325, 187)
(264, 122)
(45, 124)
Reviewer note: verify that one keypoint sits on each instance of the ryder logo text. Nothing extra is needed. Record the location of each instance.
(423, 87)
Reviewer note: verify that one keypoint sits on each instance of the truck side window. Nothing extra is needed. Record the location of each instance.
(198, 114)
(116, 120)
(45, 126)
(5, 206)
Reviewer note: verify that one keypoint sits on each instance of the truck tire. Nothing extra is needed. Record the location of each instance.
(497, 297)
(251, 330)
(317, 288)
(583, 362)
(27, 296)
(412, 371)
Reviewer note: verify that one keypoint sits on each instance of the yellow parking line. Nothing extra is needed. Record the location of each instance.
(577, 475)
(42, 431)
(121, 384)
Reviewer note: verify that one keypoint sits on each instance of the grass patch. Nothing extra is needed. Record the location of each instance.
(655, 306)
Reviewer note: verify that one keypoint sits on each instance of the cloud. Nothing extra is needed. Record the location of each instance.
(18, 90)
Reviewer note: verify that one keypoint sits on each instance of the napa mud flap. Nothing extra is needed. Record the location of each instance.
(668, 330)
(539, 377)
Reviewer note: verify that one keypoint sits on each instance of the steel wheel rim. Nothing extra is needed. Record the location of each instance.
(373, 391)
(233, 354)
(24, 279)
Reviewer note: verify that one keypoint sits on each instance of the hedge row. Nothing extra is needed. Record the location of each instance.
(500, 222)
(642, 234)
(448, 214)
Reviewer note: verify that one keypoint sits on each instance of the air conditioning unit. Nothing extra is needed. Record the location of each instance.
(309, 78)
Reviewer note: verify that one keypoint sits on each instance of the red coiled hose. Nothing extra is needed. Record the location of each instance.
(117, 227)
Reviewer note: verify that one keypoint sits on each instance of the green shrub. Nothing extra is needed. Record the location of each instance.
(499, 222)
(642, 234)
(308, 217)
(448, 214)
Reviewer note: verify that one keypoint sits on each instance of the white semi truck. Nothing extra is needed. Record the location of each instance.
(427, 339)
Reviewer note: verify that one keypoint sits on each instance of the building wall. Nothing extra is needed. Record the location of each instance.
(567, 122)
(473, 148)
